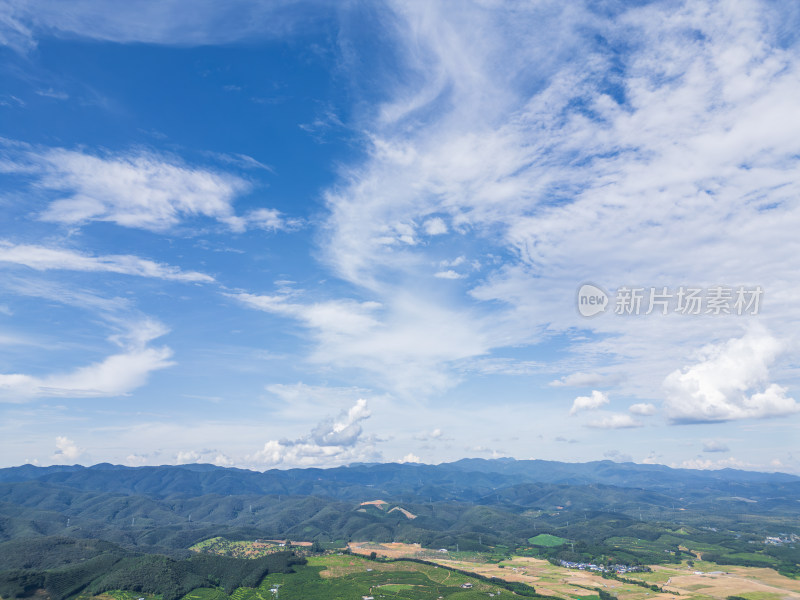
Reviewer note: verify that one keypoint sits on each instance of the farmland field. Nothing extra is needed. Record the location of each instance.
(351, 576)
(347, 577)
(547, 540)
(702, 581)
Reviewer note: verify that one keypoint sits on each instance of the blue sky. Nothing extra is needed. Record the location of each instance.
(310, 233)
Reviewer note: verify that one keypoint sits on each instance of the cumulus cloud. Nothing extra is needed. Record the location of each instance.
(42, 258)
(66, 450)
(615, 421)
(593, 402)
(136, 460)
(344, 430)
(333, 441)
(729, 382)
(410, 458)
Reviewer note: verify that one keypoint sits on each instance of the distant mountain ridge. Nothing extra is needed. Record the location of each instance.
(465, 480)
(468, 503)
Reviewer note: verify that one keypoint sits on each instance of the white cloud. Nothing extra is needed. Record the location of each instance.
(169, 22)
(428, 436)
(214, 457)
(615, 421)
(681, 105)
(333, 441)
(187, 457)
(51, 93)
(711, 465)
(583, 380)
(665, 169)
(139, 190)
(593, 402)
(455, 262)
(66, 450)
(43, 258)
(404, 344)
(116, 375)
(331, 319)
(299, 400)
(410, 458)
(270, 219)
(492, 452)
(730, 381)
(449, 274)
(652, 459)
(643, 409)
(136, 460)
(715, 446)
(435, 226)
(344, 430)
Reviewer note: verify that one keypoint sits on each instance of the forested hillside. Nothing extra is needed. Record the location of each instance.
(649, 514)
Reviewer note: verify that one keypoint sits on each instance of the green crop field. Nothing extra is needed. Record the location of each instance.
(343, 577)
(546, 540)
(126, 595)
(206, 594)
(347, 578)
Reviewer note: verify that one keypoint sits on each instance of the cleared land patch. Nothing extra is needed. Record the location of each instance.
(546, 540)
(679, 581)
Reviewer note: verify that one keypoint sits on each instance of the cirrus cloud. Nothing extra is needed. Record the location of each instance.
(116, 375)
(42, 258)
